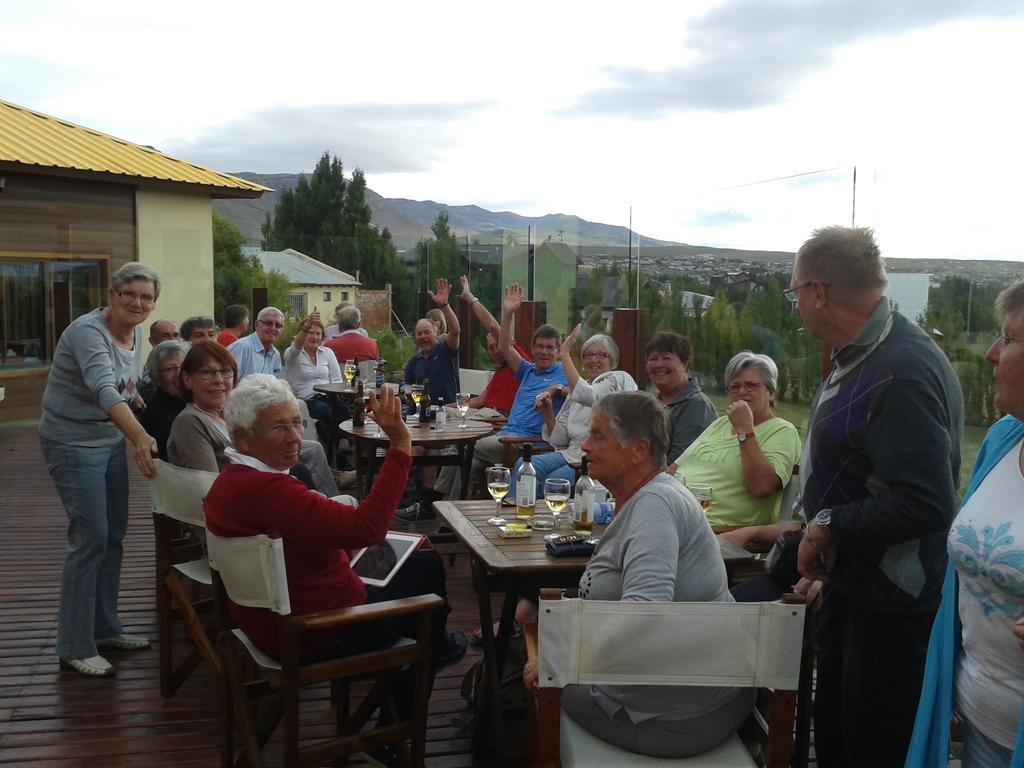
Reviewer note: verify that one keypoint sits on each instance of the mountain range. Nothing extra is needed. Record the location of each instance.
(410, 220)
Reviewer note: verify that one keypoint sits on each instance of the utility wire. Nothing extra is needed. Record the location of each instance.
(778, 178)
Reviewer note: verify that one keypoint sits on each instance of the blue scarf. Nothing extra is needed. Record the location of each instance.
(929, 747)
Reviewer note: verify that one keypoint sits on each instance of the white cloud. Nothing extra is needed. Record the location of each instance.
(575, 108)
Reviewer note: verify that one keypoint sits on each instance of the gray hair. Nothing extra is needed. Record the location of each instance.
(1010, 304)
(764, 364)
(847, 258)
(349, 318)
(268, 311)
(607, 344)
(253, 395)
(161, 353)
(133, 271)
(636, 416)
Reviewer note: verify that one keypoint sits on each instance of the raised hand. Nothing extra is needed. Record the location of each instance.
(387, 412)
(466, 295)
(543, 402)
(570, 341)
(513, 298)
(441, 291)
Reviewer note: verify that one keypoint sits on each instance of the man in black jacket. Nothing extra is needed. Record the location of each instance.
(878, 476)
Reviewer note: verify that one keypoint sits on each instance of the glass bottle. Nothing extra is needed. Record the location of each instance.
(426, 408)
(526, 486)
(583, 504)
(358, 414)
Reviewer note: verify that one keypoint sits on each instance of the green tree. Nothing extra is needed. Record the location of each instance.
(442, 256)
(326, 216)
(235, 275)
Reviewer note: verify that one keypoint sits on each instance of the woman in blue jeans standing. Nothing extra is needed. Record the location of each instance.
(87, 414)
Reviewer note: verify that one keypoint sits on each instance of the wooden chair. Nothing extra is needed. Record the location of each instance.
(250, 571)
(178, 503)
(616, 643)
(512, 448)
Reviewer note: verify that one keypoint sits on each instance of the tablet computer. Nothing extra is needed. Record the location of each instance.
(377, 565)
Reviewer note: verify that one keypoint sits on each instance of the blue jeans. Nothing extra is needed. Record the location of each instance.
(93, 486)
(981, 752)
(547, 465)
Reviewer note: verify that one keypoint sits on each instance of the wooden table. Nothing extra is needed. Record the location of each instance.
(425, 436)
(509, 565)
(334, 393)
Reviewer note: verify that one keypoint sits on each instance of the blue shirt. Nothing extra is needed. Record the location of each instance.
(253, 358)
(524, 420)
(441, 368)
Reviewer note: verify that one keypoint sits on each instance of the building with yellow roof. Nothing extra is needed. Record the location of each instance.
(76, 204)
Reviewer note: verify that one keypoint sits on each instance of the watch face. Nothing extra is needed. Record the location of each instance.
(824, 517)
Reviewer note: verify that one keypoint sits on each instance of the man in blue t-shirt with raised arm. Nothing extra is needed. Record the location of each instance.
(543, 374)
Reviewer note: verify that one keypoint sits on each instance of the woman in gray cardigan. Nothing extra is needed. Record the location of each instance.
(659, 547)
(87, 414)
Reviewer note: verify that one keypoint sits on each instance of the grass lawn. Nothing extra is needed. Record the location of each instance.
(796, 413)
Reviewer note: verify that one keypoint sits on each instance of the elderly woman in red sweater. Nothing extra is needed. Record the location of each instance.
(255, 494)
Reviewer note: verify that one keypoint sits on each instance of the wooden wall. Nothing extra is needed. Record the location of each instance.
(46, 217)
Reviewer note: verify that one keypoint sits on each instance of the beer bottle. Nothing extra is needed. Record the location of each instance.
(358, 412)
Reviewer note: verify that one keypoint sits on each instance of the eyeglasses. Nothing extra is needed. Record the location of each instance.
(791, 294)
(1004, 338)
(143, 298)
(174, 369)
(597, 355)
(272, 324)
(746, 386)
(285, 428)
(207, 374)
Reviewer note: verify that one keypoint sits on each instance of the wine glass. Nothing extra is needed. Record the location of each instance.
(462, 403)
(498, 481)
(417, 396)
(702, 492)
(556, 496)
(350, 371)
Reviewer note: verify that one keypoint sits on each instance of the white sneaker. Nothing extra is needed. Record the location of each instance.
(123, 643)
(95, 666)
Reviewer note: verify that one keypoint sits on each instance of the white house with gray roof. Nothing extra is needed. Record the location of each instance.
(314, 285)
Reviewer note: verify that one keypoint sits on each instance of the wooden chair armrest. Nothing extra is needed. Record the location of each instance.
(530, 638)
(360, 614)
(519, 440)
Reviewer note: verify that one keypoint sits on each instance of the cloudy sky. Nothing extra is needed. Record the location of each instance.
(722, 122)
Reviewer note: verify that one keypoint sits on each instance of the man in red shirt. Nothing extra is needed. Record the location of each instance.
(353, 343)
(236, 323)
(501, 389)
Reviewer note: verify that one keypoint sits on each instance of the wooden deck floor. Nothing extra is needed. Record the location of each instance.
(54, 718)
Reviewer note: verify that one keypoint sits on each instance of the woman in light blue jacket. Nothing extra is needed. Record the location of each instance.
(975, 661)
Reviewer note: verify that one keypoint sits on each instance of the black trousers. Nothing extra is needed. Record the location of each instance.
(870, 669)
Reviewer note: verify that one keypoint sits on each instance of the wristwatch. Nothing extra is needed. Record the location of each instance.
(744, 436)
(824, 521)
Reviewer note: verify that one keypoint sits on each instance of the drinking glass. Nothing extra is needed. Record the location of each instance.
(417, 396)
(498, 481)
(556, 496)
(349, 371)
(702, 492)
(462, 403)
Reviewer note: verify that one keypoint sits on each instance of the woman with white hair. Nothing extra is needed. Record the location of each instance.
(747, 456)
(658, 548)
(567, 431)
(254, 494)
(166, 402)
